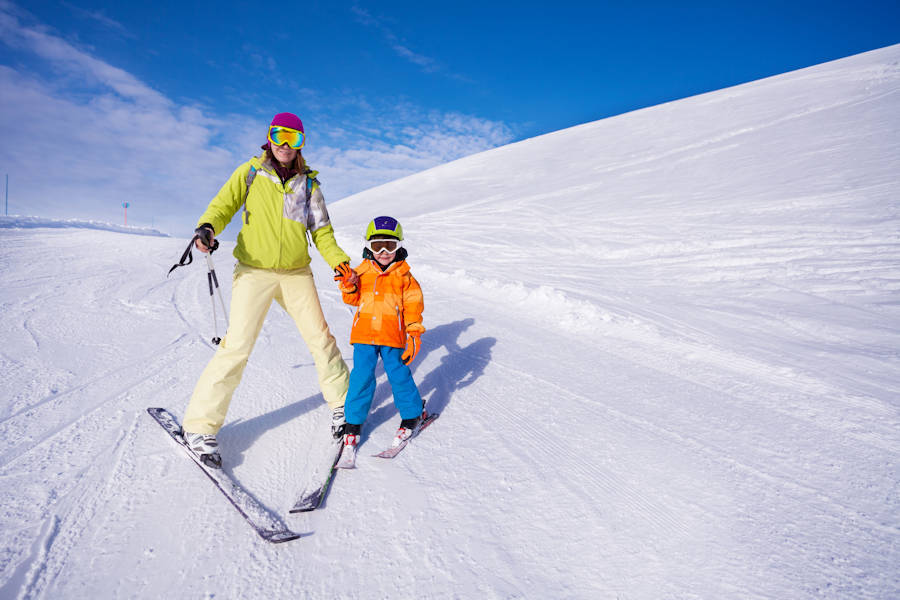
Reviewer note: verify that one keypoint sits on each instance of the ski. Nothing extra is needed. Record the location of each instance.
(267, 525)
(317, 488)
(395, 450)
(348, 457)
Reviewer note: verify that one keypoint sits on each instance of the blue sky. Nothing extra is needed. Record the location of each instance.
(157, 102)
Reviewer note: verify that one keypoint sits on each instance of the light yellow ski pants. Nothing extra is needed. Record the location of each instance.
(252, 293)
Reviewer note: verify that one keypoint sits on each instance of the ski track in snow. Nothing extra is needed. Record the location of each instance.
(665, 361)
(70, 521)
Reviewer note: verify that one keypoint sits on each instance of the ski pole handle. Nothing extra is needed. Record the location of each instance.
(207, 238)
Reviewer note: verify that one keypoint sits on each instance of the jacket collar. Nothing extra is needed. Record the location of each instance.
(261, 162)
(274, 167)
(400, 267)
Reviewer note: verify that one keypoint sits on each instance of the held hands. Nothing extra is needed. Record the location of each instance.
(346, 277)
(413, 343)
(206, 238)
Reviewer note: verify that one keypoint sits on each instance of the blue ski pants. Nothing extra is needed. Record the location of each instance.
(362, 383)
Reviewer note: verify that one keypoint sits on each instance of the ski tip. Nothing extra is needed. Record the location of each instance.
(307, 504)
(389, 453)
(158, 412)
(278, 537)
(346, 464)
(302, 509)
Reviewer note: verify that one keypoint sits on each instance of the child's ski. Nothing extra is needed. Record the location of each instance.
(348, 456)
(266, 524)
(315, 491)
(395, 450)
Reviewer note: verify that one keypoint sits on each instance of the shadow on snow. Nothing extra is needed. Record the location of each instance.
(459, 368)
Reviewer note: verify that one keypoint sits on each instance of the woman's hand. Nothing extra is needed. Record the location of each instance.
(206, 239)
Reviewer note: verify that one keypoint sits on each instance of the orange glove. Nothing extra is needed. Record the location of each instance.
(347, 277)
(413, 343)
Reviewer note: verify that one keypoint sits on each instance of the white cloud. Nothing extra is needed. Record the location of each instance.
(383, 143)
(88, 136)
(70, 158)
(98, 16)
(426, 63)
(74, 62)
(79, 142)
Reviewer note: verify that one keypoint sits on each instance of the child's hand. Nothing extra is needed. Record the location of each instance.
(413, 343)
(347, 277)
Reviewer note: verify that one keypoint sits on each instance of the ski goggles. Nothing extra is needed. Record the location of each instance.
(379, 246)
(285, 135)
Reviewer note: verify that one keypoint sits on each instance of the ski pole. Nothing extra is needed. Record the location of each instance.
(214, 283)
(187, 258)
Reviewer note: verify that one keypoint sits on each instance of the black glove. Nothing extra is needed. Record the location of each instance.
(207, 236)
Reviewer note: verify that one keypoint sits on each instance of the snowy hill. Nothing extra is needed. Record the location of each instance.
(664, 346)
(20, 222)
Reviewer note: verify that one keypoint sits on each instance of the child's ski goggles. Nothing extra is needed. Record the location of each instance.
(379, 246)
(285, 135)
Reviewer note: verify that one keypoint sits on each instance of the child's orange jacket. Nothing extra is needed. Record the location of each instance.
(390, 305)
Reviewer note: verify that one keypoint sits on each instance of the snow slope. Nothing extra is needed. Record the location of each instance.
(664, 346)
(19, 222)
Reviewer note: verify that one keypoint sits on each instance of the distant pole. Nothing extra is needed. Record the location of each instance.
(7, 194)
(125, 206)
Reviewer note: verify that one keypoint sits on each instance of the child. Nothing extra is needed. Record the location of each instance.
(388, 323)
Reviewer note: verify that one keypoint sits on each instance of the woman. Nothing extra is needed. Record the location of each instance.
(282, 204)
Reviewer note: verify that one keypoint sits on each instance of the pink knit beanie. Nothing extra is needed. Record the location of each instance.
(288, 120)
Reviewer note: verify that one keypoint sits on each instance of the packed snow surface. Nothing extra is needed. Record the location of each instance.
(665, 348)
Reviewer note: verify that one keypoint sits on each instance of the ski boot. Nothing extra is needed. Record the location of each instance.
(206, 447)
(408, 428)
(337, 422)
(351, 443)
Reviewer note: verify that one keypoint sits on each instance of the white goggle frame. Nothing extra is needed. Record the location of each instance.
(397, 245)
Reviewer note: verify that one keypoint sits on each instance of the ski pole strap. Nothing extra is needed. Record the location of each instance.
(187, 258)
